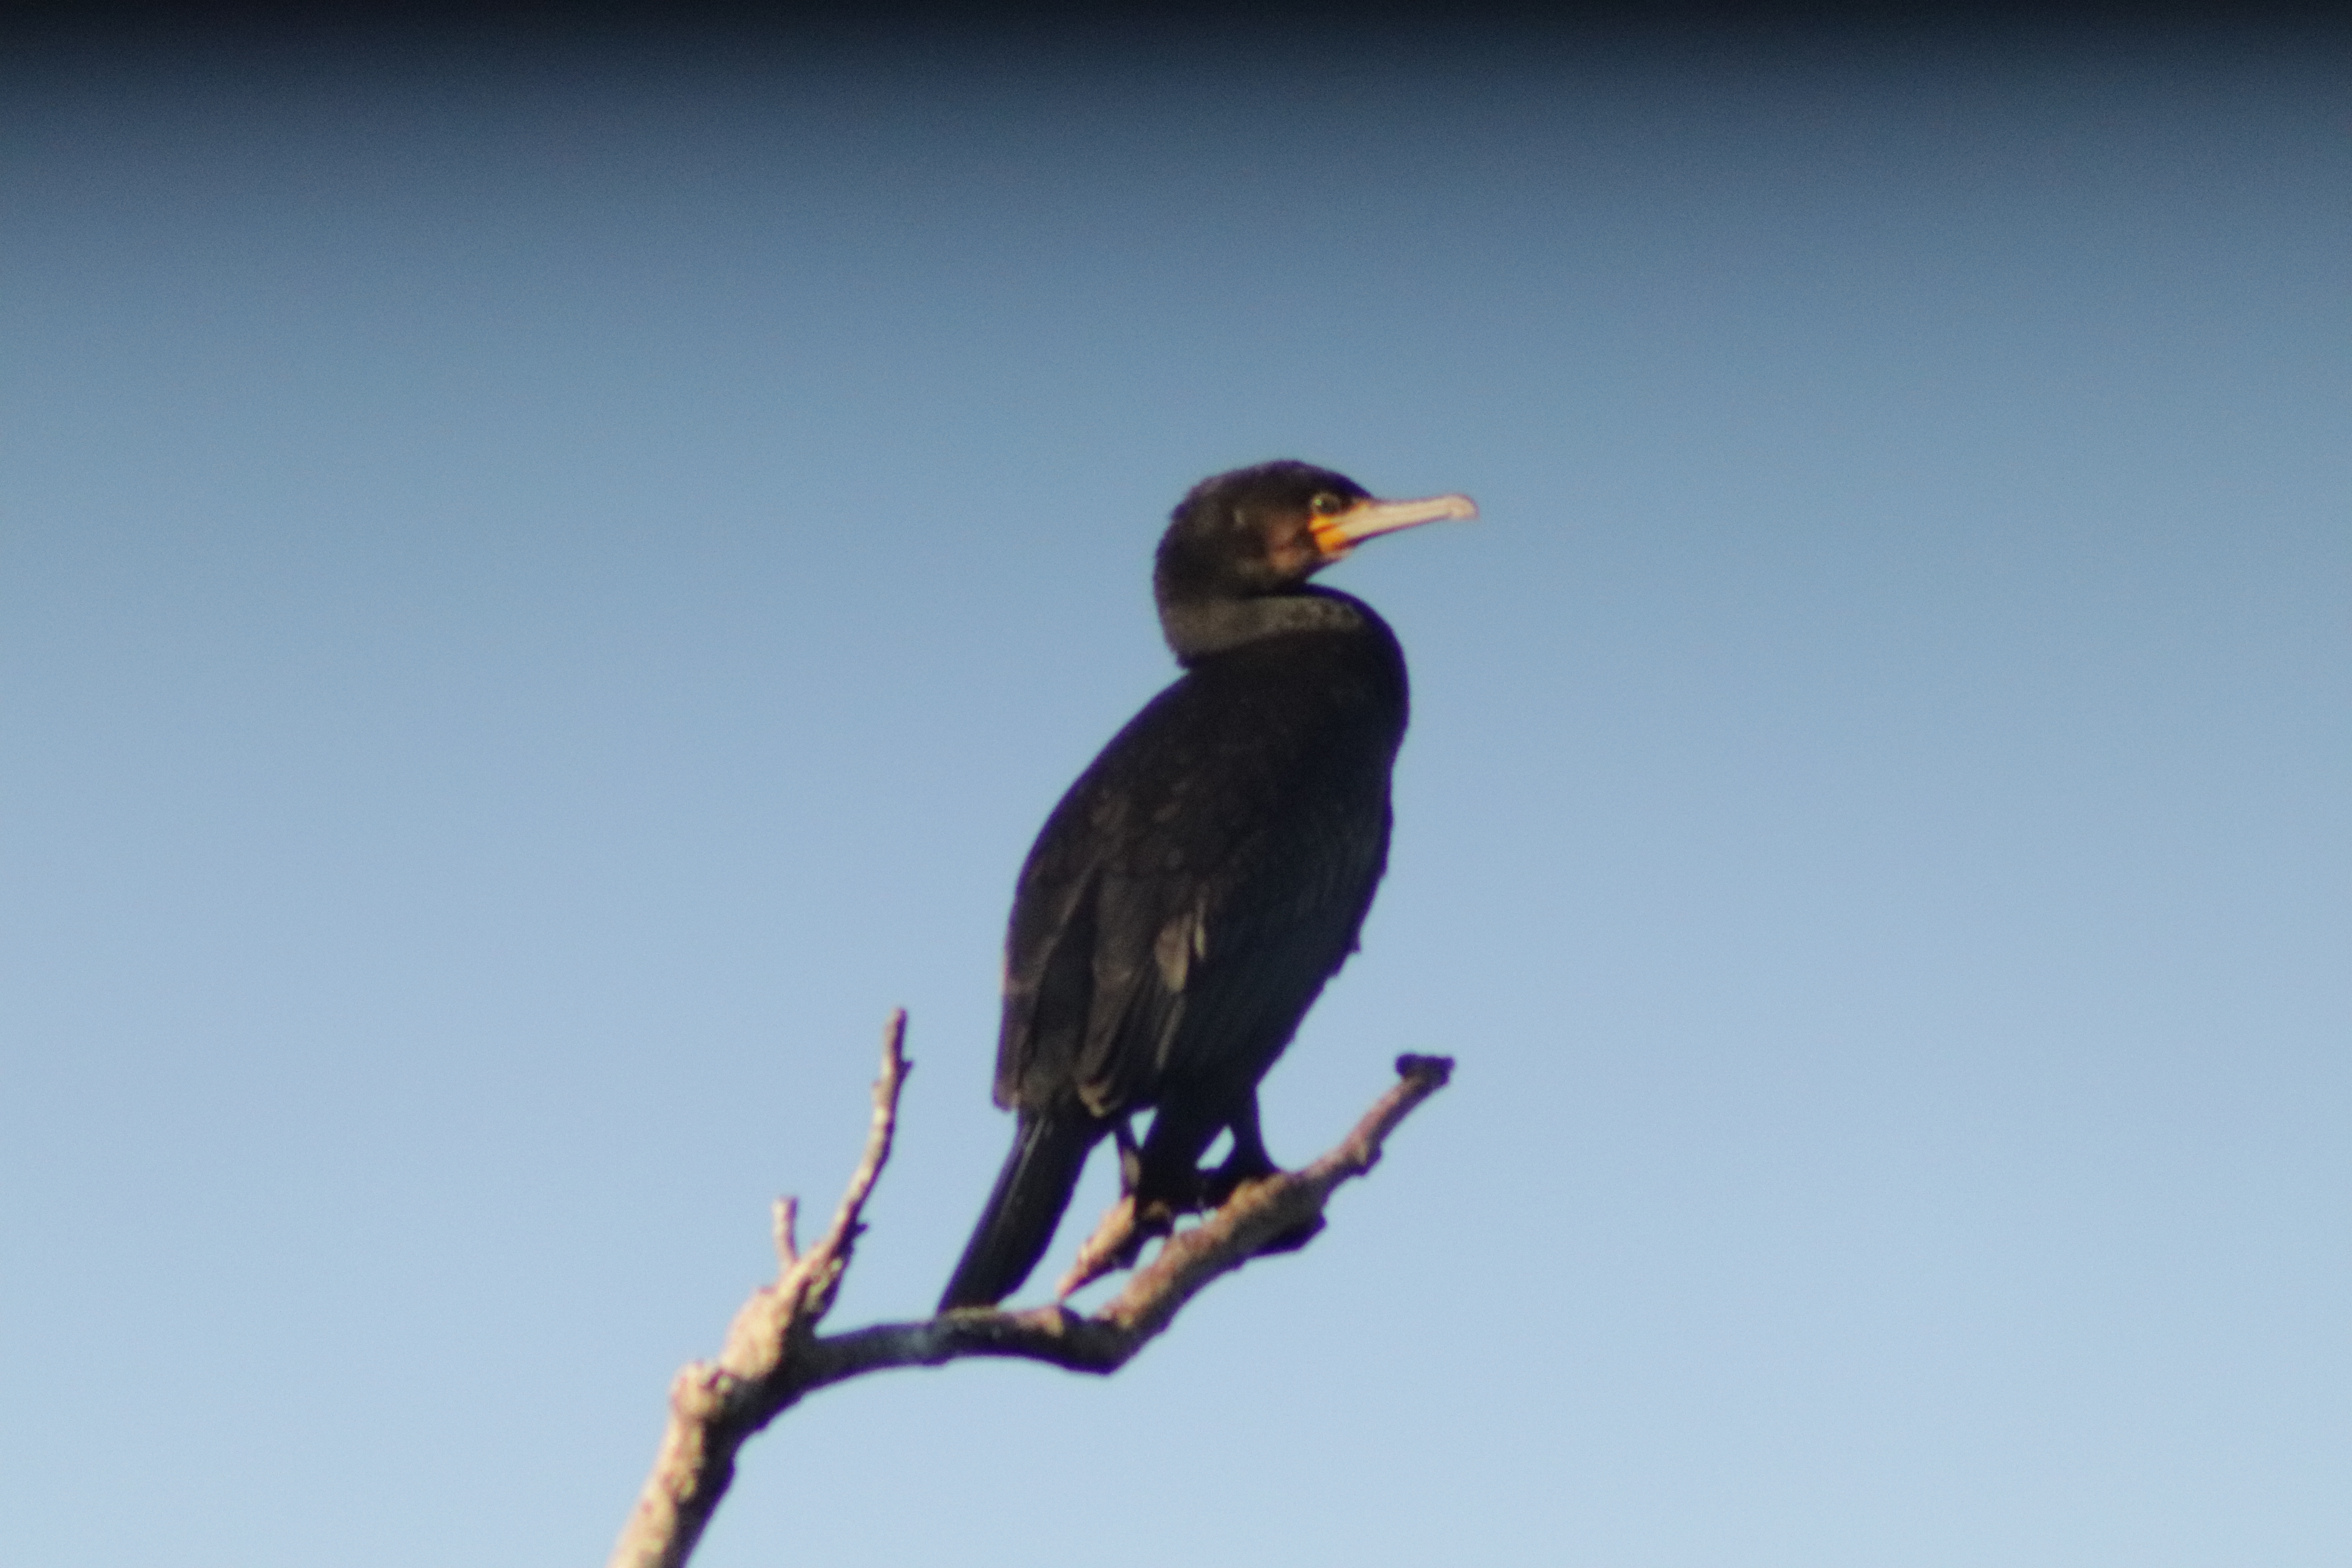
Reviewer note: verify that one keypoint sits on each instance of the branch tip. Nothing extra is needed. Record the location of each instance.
(782, 1218)
(1437, 1070)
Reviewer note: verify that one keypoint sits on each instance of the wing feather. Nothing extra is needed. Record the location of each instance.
(1194, 889)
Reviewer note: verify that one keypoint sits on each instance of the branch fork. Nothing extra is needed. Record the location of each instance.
(773, 1354)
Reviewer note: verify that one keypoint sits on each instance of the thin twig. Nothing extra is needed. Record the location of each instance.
(715, 1406)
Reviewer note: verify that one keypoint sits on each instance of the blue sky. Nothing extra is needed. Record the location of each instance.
(544, 589)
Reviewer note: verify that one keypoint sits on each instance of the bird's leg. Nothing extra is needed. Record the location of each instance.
(1246, 1163)
(1162, 1180)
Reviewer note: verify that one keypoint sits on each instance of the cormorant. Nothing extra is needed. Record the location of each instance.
(1208, 872)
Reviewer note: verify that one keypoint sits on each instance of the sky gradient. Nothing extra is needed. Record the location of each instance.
(545, 585)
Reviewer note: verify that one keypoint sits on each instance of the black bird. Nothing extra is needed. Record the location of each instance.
(1191, 894)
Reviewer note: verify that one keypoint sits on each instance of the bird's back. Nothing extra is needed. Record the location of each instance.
(1193, 892)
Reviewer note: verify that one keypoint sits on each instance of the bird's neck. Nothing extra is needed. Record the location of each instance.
(1197, 627)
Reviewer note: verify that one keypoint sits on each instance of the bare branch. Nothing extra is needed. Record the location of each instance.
(773, 1354)
(715, 1406)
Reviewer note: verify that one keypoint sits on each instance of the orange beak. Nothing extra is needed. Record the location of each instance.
(1336, 535)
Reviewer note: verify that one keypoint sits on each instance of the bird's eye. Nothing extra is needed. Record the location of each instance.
(1325, 504)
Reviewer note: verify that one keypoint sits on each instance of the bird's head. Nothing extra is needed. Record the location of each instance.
(1266, 529)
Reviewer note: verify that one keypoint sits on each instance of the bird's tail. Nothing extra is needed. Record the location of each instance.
(1032, 1191)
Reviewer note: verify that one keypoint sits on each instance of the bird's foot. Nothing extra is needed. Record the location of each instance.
(1218, 1187)
(1119, 1240)
(1229, 1178)
(1291, 1240)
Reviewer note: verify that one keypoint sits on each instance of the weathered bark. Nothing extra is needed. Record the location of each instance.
(773, 1354)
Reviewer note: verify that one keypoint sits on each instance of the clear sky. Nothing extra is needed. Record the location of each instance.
(543, 589)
